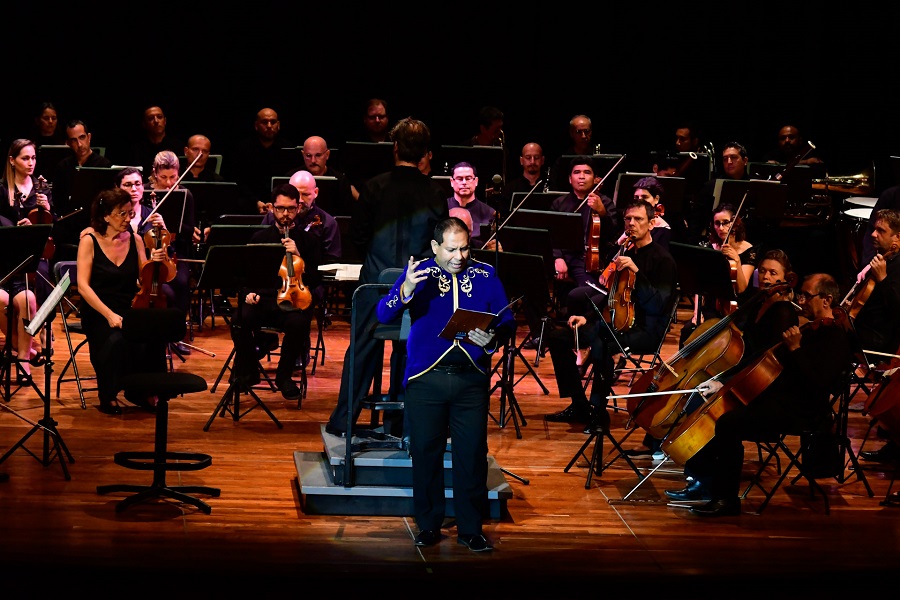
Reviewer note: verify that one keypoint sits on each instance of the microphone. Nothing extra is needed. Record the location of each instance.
(496, 185)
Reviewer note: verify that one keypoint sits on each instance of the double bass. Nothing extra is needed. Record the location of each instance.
(714, 347)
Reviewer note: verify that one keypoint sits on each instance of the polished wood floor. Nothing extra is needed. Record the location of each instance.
(60, 535)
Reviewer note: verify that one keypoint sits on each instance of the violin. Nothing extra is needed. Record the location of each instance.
(726, 307)
(862, 289)
(714, 347)
(40, 215)
(619, 309)
(293, 294)
(592, 258)
(154, 273)
(699, 427)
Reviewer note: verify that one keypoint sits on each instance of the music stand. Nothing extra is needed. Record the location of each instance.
(702, 271)
(361, 161)
(213, 199)
(239, 220)
(516, 271)
(236, 267)
(566, 229)
(537, 200)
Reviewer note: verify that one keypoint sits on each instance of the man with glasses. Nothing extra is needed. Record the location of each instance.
(259, 306)
(798, 398)
(464, 181)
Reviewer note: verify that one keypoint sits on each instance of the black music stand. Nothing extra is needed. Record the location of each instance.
(42, 319)
(537, 200)
(235, 267)
(361, 161)
(702, 271)
(516, 271)
(213, 199)
(566, 229)
(764, 208)
(22, 250)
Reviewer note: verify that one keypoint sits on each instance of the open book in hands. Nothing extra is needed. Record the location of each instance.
(463, 320)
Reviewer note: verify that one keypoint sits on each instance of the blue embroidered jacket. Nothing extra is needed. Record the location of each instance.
(434, 302)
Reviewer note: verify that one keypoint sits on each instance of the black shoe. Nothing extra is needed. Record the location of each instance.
(887, 453)
(288, 389)
(110, 408)
(694, 490)
(634, 452)
(719, 508)
(332, 430)
(572, 414)
(599, 422)
(530, 344)
(23, 379)
(428, 537)
(475, 543)
(182, 348)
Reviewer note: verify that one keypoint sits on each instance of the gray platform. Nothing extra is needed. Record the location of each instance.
(382, 482)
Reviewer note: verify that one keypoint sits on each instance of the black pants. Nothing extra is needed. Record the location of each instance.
(295, 325)
(437, 402)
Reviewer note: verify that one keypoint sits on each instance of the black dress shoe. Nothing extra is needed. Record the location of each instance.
(110, 408)
(638, 452)
(694, 490)
(428, 537)
(887, 453)
(572, 414)
(332, 430)
(288, 389)
(475, 543)
(719, 508)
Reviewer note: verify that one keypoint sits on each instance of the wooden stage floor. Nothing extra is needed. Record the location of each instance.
(60, 535)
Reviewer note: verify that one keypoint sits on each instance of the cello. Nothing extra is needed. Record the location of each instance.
(699, 427)
(714, 347)
(883, 402)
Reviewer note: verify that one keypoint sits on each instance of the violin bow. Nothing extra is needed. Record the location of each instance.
(597, 187)
(509, 216)
(734, 220)
(172, 189)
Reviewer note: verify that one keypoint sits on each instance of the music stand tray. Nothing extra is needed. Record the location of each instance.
(566, 229)
(702, 271)
(233, 235)
(537, 200)
(235, 267)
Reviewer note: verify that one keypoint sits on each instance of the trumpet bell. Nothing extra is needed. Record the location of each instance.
(859, 184)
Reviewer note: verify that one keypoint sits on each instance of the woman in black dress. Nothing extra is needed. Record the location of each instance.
(110, 260)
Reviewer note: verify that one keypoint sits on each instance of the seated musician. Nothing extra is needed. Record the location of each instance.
(570, 263)
(655, 282)
(110, 260)
(260, 307)
(877, 305)
(797, 399)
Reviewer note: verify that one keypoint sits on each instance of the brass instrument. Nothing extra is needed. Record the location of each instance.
(859, 184)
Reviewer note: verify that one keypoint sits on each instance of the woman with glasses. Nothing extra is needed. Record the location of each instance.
(110, 258)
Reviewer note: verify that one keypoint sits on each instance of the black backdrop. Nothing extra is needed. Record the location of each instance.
(634, 69)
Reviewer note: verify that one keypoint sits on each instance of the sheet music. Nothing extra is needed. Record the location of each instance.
(49, 304)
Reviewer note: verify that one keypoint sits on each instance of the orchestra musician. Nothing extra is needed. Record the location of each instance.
(464, 181)
(655, 284)
(260, 307)
(110, 260)
(796, 398)
(23, 197)
(877, 303)
(569, 264)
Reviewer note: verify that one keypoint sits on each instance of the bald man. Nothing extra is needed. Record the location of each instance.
(256, 159)
(315, 156)
(199, 146)
(532, 161)
(463, 215)
(312, 218)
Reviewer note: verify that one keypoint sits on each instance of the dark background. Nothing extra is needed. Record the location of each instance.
(634, 69)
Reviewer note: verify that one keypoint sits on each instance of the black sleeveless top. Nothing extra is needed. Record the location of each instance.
(114, 285)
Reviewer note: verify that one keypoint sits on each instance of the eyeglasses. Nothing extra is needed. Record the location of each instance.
(125, 213)
(721, 223)
(132, 184)
(806, 296)
(583, 131)
(464, 179)
(281, 209)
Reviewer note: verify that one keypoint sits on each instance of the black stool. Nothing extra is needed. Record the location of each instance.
(160, 326)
